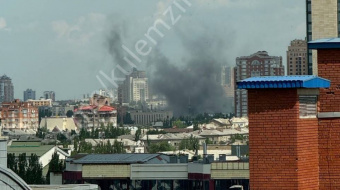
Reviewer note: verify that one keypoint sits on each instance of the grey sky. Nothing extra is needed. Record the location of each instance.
(62, 45)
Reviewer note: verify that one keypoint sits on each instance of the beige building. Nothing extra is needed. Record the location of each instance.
(148, 117)
(41, 102)
(297, 58)
(62, 123)
(322, 22)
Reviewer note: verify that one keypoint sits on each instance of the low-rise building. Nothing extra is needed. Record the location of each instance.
(62, 123)
(19, 115)
(41, 103)
(148, 117)
(94, 116)
(154, 171)
(44, 152)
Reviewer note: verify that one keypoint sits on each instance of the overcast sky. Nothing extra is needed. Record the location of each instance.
(61, 45)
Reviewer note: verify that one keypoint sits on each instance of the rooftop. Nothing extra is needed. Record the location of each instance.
(326, 43)
(30, 149)
(115, 158)
(300, 81)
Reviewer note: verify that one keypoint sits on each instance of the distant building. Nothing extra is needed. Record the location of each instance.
(41, 102)
(61, 123)
(322, 22)
(29, 94)
(228, 84)
(297, 58)
(135, 88)
(95, 116)
(149, 117)
(100, 100)
(19, 115)
(49, 95)
(257, 64)
(97, 113)
(6, 89)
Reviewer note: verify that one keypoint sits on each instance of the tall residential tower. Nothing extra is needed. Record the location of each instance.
(6, 89)
(323, 21)
(257, 64)
(29, 94)
(297, 58)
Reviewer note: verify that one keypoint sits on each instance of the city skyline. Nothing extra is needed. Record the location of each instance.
(65, 52)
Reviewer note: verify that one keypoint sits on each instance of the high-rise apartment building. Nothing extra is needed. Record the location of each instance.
(49, 95)
(29, 94)
(257, 64)
(297, 58)
(227, 82)
(323, 21)
(6, 89)
(135, 87)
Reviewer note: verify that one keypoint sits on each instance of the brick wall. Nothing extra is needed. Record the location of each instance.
(329, 128)
(283, 148)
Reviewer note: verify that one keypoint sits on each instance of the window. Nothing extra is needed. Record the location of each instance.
(308, 106)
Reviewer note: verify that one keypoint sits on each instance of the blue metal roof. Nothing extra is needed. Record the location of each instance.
(300, 81)
(326, 43)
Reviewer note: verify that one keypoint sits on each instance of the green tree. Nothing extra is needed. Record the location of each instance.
(191, 143)
(118, 147)
(160, 147)
(34, 171)
(12, 163)
(196, 126)
(69, 113)
(22, 165)
(138, 134)
(208, 141)
(55, 165)
(179, 124)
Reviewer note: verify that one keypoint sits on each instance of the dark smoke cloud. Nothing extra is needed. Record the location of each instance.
(193, 84)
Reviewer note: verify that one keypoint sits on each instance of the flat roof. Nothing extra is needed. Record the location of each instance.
(325, 43)
(115, 158)
(299, 81)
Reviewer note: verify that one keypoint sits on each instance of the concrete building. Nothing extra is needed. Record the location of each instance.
(228, 84)
(154, 171)
(61, 123)
(135, 88)
(6, 89)
(322, 22)
(297, 63)
(148, 117)
(40, 103)
(94, 116)
(49, 95)
(257, 64)
(19, 115)
(29, 94)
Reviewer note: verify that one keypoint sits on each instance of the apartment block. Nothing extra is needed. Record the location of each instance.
(257, 64)
(6, 89)
(19, 115)
(297, 63)
(49, 95)
(322, 22)
(29, 94)
(148, 117)
(135, 88)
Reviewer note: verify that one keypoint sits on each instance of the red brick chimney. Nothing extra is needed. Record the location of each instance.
(283, 131)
